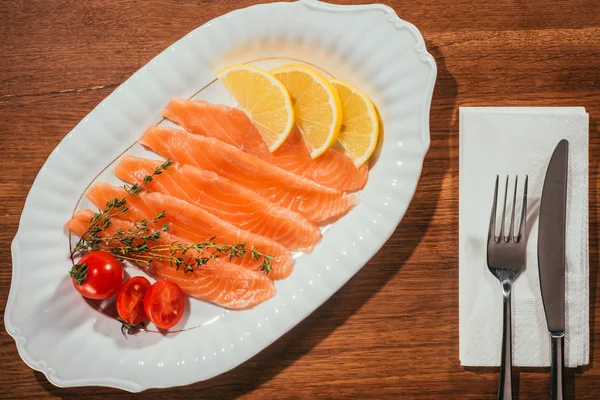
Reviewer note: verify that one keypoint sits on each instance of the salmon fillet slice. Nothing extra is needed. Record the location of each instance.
(194, 224)
(225, 199)
(220, 282)
(231, 125)
(315, 202)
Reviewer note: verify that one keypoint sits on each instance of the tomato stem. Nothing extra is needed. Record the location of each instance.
(130, 329)
(79, 273)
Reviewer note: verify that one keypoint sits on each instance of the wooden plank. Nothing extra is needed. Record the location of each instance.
(392, 331)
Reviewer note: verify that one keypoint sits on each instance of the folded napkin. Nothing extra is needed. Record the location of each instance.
(508, 141)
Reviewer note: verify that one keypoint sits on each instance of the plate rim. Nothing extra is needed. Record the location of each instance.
(135, 387)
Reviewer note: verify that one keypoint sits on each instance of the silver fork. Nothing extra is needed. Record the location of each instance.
(506, 258)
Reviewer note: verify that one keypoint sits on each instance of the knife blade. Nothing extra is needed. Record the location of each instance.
(551, 257)
(551, 238)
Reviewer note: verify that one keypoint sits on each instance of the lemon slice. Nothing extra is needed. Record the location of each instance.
(360, 125)
(317, 107)
(263, 98)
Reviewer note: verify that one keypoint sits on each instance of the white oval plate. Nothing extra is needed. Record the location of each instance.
(58, 333)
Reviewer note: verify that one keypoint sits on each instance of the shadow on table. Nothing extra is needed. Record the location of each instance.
(594, 227)
(570, 378)
(333, 313)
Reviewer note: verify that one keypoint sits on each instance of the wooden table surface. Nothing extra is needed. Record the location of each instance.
(392, 331)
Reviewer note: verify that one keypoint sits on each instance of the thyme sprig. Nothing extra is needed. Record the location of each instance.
(141, 243)
(101, 220)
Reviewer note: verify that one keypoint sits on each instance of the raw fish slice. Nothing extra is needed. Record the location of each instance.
(231, 125)
(223, 283)
(225, 199)
(194, 224)
(315, 202)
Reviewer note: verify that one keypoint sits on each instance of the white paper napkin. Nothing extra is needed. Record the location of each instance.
(508, 141)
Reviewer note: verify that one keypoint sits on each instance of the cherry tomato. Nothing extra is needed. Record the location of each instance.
(98, 275)
(164, 304)
(130, 300)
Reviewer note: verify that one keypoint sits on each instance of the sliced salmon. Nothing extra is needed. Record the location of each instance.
(194, 224)
(231, 125)
(225, 199)
(315, 202)
(223, 283)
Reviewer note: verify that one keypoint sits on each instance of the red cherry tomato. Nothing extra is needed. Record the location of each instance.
(130, 300)
(98, 275)
(164, 304)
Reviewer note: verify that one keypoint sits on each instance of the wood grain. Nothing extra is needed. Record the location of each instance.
(392, 331)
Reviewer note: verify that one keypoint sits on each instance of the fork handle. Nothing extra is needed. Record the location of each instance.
(505, 387)
(557, 389)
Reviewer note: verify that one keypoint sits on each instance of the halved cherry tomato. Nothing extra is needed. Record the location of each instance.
(130, 300)
(164, 304)
(98, 275)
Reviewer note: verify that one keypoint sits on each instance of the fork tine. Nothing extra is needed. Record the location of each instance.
(511, 232)
(503, 210)
(523, 211)
(492, 231)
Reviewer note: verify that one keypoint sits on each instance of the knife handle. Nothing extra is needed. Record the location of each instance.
(557, 389)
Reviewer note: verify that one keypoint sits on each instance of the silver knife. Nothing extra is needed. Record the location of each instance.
(551, 259)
